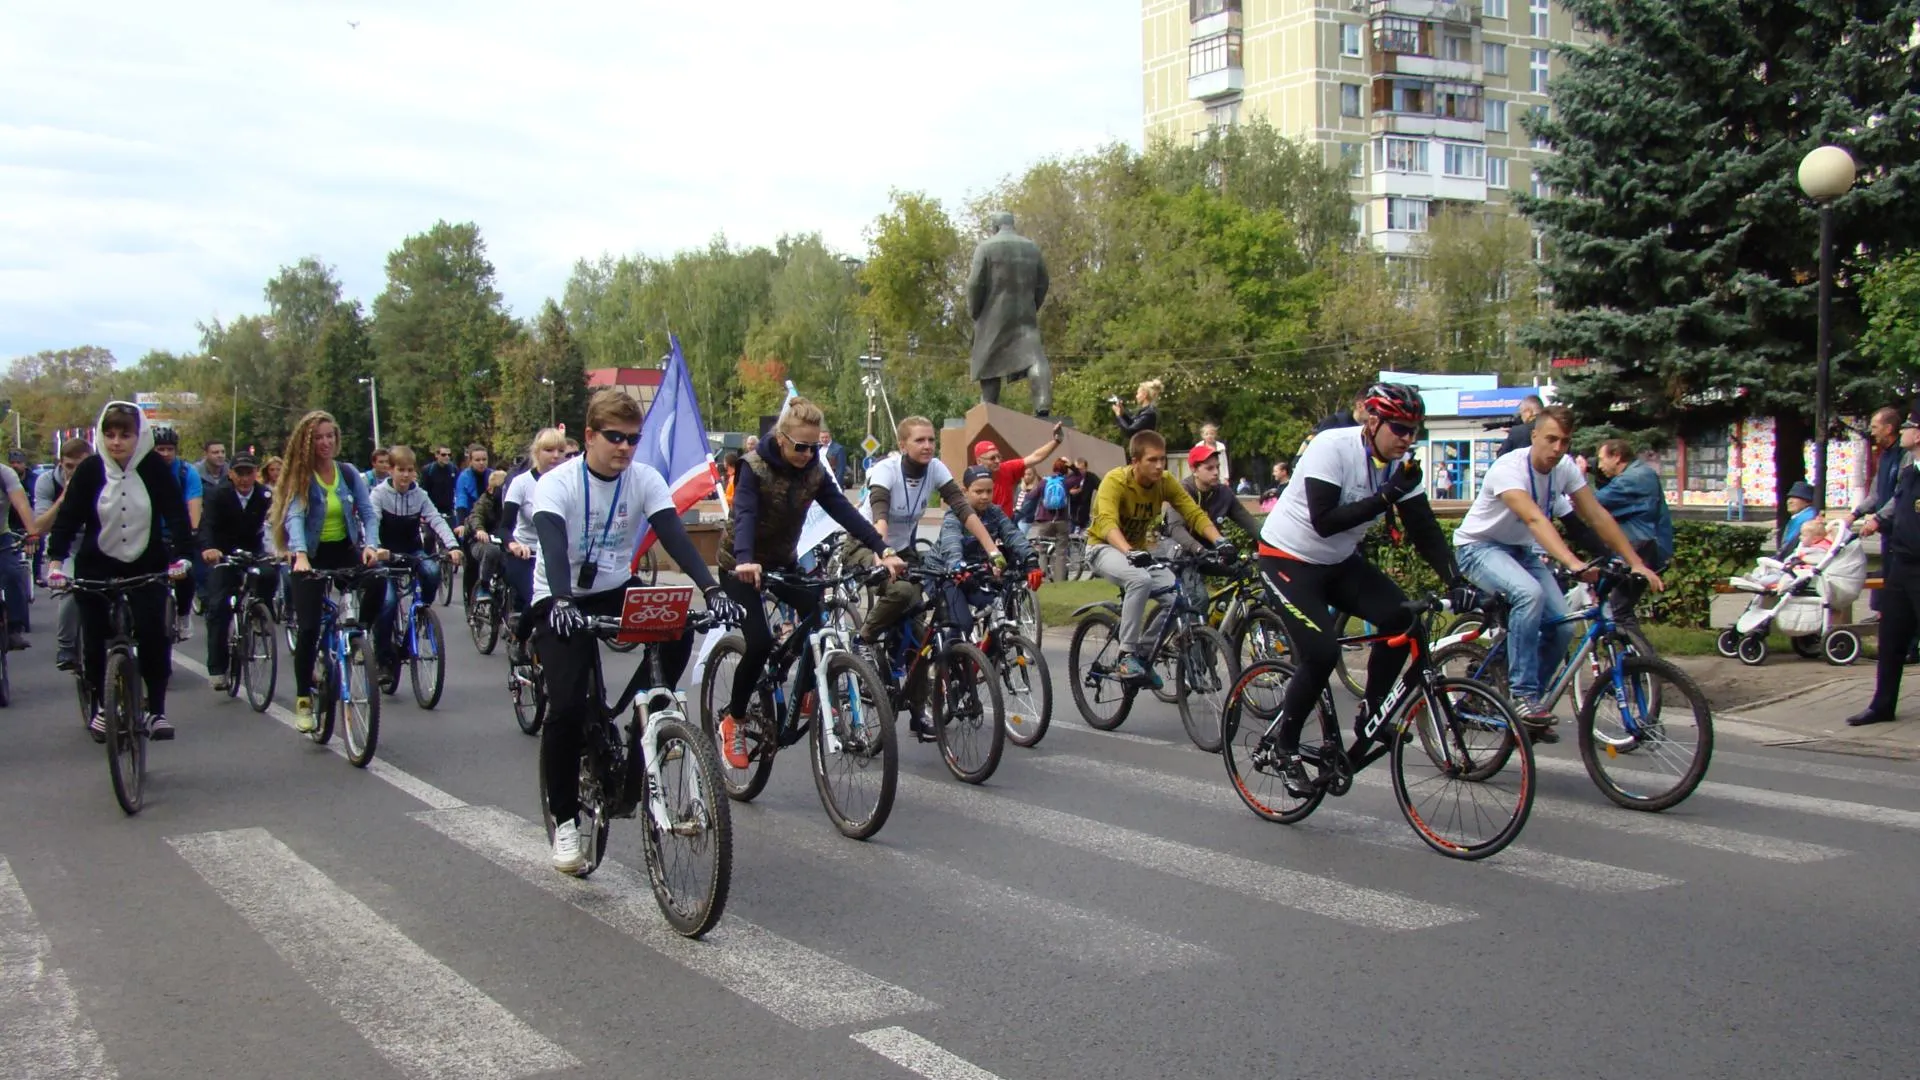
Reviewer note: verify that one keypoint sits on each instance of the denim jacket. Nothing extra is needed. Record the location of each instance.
(363, 521)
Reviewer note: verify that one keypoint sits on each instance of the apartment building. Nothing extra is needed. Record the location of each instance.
(1421, 99)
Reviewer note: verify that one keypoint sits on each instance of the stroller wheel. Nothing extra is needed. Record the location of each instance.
(1806, 646)
(1842, 647)
(1729, 643)
(1753, 651)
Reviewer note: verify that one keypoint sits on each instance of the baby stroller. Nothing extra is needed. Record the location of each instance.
(1801, 603)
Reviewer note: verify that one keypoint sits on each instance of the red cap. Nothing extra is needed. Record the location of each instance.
(1200, 455)
(984, 446)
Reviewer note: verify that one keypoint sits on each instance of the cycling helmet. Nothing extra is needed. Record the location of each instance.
(1395, 401)
(165, 436)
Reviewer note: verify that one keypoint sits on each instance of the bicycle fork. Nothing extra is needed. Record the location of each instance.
(653, 709)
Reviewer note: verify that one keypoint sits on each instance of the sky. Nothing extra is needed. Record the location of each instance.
(159, 162)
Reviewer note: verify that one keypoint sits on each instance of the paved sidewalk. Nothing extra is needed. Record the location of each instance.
(1803, 705)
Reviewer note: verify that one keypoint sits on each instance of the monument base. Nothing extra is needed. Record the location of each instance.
(1019, 434)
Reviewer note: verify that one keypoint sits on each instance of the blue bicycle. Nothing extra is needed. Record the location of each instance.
(346, 676)
(415, 640)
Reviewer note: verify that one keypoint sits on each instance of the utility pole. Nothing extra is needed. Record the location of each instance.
(373, 404)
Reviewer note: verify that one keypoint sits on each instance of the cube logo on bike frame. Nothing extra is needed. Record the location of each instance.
(654, 614)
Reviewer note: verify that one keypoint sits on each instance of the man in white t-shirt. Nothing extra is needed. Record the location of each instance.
(588, 514)
(1499, 548)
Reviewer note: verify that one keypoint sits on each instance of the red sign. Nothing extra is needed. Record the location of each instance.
(657, 614)
(1570, 361)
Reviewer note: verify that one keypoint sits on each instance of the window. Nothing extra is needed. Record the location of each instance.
(1200, 9)
(1400, 155)
(1359, 218)
(1494, 57)
(1496, 171)
(1457, 101)
(1397, 35)
(1537, 70)
(1460, 159)
(1349, 99)
(1407, 215)
(1494, 9)
(1537, 11)
(1402, 96)
(1541, 189)
(1224, 115)
(1707, 461)
(1538, 115)
(1459, 48)
(1496, 115)
(1216, 53)
(1355, 156)
(1349, 39)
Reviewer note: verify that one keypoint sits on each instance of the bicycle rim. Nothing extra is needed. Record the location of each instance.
(969, 716)
(1208, 672)
(483, 626)
(126, 732)
(1647, 737)
(362, 704)
(1026, 686)
(529, 694)
(428, 668)
(1252, 707)
(1452, 812)
(1092, 657)
(263, 663)
(1262, 636)
(326, 689)
(855, 757)
(690, 857)
(237, 654)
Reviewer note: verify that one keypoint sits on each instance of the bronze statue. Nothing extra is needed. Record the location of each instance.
(1005, 289)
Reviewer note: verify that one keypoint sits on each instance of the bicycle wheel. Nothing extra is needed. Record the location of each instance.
(649, 569)
(969, 715)
(527, 689)
(236, 650)
(689, 853)
(261, 668)
(1442, 785)
(389, 674)
(484, 627)
(1260, 636)
(855, 741)
(429, 664)
(593, 819)
(1026, 687)
(361, 731)
(126, 731)
(1352, 667)
(1207, 672)
(447, 584)
(1657, 714)
(1026, 612)
(716, 685)
(1252, 707)
(1100, 695)
(326, 694)
(622, 646)
(1472, 660)
(6, 682)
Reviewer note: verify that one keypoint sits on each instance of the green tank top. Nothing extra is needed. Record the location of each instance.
(334, 525)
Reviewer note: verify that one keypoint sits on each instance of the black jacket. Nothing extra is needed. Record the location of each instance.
(438, 480)
(79, 517)
(227, 526)
(1131, 424)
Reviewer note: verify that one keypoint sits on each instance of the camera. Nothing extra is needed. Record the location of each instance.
(1113, 399)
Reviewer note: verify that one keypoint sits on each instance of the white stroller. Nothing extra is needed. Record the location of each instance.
(1801, 602)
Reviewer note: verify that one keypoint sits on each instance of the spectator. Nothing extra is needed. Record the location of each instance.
(1282, 475)
(1210, 438)
(381, 466)
(1083, 495)
(1345, 418)
(212, 464)
(1007, 474)
(1147, 397)
(1638, 502)
(1027, 503)
(270, 472)
(1245, 487)
(1898, 523)
(1800, 510)
(1053, 518)
(752, 444)
(1521, 433)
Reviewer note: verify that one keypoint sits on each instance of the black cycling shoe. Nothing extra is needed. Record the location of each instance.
(1293, 773)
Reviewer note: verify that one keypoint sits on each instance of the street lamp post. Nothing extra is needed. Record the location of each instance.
(1826, 173)
(373, 405)
(233, 422)
(549, 382)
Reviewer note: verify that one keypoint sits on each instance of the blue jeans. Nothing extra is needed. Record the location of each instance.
(1526, 583)
(427, 572)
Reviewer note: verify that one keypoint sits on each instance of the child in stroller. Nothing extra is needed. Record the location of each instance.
(1800, 596)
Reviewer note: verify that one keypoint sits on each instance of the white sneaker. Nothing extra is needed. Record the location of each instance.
(566, 849)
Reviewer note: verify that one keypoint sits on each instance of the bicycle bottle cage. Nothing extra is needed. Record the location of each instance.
(654, 614)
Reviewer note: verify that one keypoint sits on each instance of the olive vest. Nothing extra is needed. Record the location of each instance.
(785, 495)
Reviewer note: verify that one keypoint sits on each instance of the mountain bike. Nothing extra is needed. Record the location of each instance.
(1239, 611)
(1445, 737)
(853, 754)
(253, 652)
(661, 760)
(1025, 684)
(963, 695)
(525, 686)
(416, 642)
(120, 687)
(1074, 549)
(485, 614)
(346, 676)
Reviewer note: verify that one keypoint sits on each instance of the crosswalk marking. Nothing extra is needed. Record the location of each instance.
(1288, 888)
(421, 1015)
(41, 1026)
(1518, 860)
(1752, 796)
(1050, 924)
(795, 983)
(920, 1055)
(1825, 771)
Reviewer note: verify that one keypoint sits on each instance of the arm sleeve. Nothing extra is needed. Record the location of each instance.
(1329, 517)
(1106, 512)
(211, 517)
(746, 512)
(1423, 528)
(879, 501)
(509, 517)
(1241, 516)
(834, 502)
(431, 514)
(1016, 545)
(956, 499)
(363, 509)
(673, 536)
(1130, 423)
(552, 531)
(1177, 531)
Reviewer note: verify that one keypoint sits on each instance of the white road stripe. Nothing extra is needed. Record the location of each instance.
(1752, 796)
(1045, 923)
(922, 1056)
(425, 1019)
(1075, 727)
(795, 983)
(1518, 860)
(1849, 773)
(45, 1034)
(1276, 885)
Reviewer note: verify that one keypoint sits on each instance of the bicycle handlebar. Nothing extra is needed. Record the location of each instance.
(865, 575)
(610, 625)
(106, 585)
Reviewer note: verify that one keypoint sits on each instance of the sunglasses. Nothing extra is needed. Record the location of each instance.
(620, 438)
(1405, 431)
(803, 449)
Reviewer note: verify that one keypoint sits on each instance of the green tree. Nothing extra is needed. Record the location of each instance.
(343, 355)
(1890, 296)
(1479, 291)
(58, 388)
(1256, 166)
(437, 327)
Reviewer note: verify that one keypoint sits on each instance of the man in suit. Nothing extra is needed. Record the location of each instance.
(1898, 524)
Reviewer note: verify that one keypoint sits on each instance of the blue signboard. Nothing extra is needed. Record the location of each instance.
(1504, 401)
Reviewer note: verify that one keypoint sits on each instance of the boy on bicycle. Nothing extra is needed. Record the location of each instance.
(234, 518)
(958, 546)
(589, 514)
(404, 507)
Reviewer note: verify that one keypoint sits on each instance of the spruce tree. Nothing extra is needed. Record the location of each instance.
(1682, 256)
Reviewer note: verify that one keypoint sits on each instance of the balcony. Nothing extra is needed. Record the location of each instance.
(1213, 67)
(1215, 84)
(1397, 123)
(1454, 12)
(1427, 67)
(1210, 17)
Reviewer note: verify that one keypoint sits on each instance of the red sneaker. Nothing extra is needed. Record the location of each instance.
(733, 742)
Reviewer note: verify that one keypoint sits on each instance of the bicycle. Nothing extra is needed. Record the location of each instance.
(10, 548)
(121, 688)
(1651, 698)
(850, 721)
(416, 640)
(662, 760)
(964, 694)
(525, 686)
(1202, 663)
(1462, 730)
(1074, 545)
(1239, 611)
(1025, 684)
(253, 653)
(485, 613)
(346, 673)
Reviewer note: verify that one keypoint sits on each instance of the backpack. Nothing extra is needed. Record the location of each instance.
(1054, 495)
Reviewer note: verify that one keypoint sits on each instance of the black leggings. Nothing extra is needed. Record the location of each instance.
(307, 593)
(759, 636)
(152, 638)
(1309, 595)
(567, 669)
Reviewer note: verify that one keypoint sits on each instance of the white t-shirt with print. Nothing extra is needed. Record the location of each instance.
(604, 520)
(520, 491)
(1491, 521)
(907, 499)
(1339, 456)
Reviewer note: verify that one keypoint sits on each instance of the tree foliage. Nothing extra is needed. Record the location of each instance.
(1890, 297)
(437, 327)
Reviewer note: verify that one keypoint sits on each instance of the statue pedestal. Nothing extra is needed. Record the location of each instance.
(1019, 434)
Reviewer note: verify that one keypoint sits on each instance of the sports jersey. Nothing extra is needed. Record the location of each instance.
(1342, 457)
(520, 493)
(907, 498)
(1491, 521)
(604, 520)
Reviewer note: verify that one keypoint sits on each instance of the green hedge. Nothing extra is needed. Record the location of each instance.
(1704, 555)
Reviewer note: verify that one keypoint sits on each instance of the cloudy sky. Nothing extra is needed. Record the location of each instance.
(158, 162)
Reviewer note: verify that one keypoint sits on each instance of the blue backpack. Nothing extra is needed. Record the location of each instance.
(1054, 495)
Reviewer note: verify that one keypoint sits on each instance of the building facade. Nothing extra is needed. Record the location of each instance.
(1422, 100)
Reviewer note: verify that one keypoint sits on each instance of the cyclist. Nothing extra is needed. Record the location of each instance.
(1208, 489)
(405, 511)
(47, 493)
(778, 481)
(1125, 511)
(466, 491)
(516, 519)
(589, 514)
(1008, 474)
(125, 507)
(16, 577)
(235, 520)
(379, 468)
(958, 546)
(323, 517)
(1310, 558)
(482, 528)
(1501, 541)
(166, 443)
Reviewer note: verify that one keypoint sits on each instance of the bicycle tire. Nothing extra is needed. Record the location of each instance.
(6, 680)
(1111, 699)
(427, 667)
(966, 706)
(1635, 669)
(593, 838)
(262, 666)
(648, 570)
(390, 673)
(1355, 682)
(834, 729)
(483, 625)
(1207, 671)
(1252, 706)
(326, 689)
(1454, 732)
(622, 646)
(1026, 686)
(528, 690)
(689, 803)
(1026, 613)
(446, 585)
(1471, 660)
(742, 785)
(361, 731)
(126, 732)
(1260, 636)
(236, 645)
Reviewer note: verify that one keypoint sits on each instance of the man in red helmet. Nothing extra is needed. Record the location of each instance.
(1007, 474)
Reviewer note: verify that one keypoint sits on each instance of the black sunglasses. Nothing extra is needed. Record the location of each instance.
(620, 438)
(805, 449)
(1405, 431)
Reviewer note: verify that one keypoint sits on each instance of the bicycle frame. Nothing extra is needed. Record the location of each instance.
(1600, 627)
(818, 634)
(627, 763)
(1172, 619)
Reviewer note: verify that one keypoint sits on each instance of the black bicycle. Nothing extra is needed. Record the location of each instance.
(963, 693)
(121, 690)
(1025, 683)
(253, 652)
(486, 614)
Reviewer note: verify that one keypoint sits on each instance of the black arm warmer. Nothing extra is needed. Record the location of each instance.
(552, 531)
(508, 516)
(1424, 530)
(1329, 517)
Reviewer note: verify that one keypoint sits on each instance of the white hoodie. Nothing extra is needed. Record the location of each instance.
(126, 513)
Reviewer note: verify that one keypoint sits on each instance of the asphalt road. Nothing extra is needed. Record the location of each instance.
(1103, 907)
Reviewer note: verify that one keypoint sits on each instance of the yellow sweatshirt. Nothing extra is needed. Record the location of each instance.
(1121, 502)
